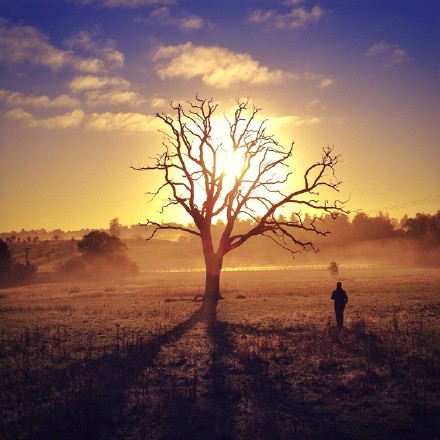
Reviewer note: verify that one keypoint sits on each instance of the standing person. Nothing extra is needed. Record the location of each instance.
(340, 298)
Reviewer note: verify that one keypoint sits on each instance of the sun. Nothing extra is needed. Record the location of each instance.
(231, 163)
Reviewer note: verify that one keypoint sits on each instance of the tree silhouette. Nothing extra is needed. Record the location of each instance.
(197, 180)
(115, 227)
(5, 261)
(100, 243)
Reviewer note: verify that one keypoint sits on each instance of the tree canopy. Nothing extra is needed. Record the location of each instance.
(100, 243)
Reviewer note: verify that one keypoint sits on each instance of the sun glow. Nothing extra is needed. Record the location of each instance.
(231, 164)
(244, 175)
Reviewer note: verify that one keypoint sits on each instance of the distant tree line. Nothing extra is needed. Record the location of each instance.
(342, 230)
(33, 236)
(424, 228)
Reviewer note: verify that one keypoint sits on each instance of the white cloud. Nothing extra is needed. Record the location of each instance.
(295, 18)
(219, 67)
(43, 102)
(216, 66)
(293, 120)
(26, 44)
(188, 22)
(125, 122)
(92, 82)
(105, 90)
(391, 53)
(113, 97)
(108, 52)
(118, 122)
(68, 120)
(158, 102)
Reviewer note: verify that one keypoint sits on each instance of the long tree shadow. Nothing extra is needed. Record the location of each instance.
(248, 393)
(237, 381)
(197, 407)
(94, 397)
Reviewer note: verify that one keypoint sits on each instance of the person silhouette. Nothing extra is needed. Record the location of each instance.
(340, 298)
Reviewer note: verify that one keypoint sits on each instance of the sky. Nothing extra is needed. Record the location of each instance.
(82, 80)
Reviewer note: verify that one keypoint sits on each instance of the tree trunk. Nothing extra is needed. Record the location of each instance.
(213, 263)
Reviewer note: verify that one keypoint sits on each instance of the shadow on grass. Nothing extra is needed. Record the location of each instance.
(271, 406)
(93, 406)
(250, 383)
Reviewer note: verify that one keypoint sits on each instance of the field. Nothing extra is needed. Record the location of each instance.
(129, 360)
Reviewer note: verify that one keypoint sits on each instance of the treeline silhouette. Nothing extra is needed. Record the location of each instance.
(361, 239)
(42, 234)
(343, 230)
(424, 228)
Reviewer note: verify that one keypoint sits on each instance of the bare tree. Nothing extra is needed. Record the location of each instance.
(197, 180)
(115, 227)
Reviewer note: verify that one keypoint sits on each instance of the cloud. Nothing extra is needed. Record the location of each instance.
(391, 53)
(26, 44)
(219, 67)
(216, 66)
(92, 82)
(105, 90)
(163, 16)
(125, 122)
(293, 120)
(119, 122)
(108, 52)
(111, 4)
(113, 97)
(322, 80)
(295, 18)
(42, 102)
(158, 102)
(68, 120)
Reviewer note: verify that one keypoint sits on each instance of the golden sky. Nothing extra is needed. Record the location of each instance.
(82, 80)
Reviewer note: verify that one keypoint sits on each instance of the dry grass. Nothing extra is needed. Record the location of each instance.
(130, 364)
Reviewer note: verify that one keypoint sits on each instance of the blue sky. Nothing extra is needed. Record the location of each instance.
(82, 80)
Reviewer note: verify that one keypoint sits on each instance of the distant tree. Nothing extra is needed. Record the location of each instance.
(102, 255)
(197, 180)
(5, 260)
(29, 238)
(35, 239)
(12, 272)
(424, 227)
(403, 220)
(58, 233)
(100, 243)
(373, 228)
(115, 227)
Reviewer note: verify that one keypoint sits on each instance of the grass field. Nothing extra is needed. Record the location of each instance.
(130, 361)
